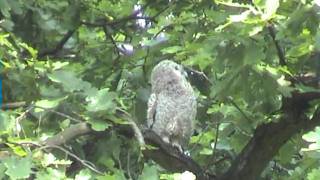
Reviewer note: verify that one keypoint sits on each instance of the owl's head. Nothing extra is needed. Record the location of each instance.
(167, 73)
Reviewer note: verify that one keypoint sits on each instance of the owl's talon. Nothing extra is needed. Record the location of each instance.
(177, 146)
(166, 139)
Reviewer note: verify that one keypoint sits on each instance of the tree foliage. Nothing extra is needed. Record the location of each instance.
(76, 83)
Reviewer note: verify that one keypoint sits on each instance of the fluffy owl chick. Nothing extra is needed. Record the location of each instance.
(172, 105)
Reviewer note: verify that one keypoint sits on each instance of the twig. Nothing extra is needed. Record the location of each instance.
(23, 115)
(239, 109)
(135, 128)
(39, 123)
(272, 32)
(133, 16)
(128, 165)
(19, 119)
(119, 163)
(59, 113)
(105, 30)
(160, 12)
(83, 162)
(215, 142)
(161, 30)
(125, 19)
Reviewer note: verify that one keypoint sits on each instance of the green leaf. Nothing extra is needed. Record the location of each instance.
(239, 18)
(45, 103)
(205, 138)
(69, 80)
(7, 24)
(253, 55)
(18, 168)
(284, 87)
(48, 173)
(16, 7)
(206, 151)
(286, 152)
(178, 176)
(149, 173)
(33, 52)
(59, 65)
(106, 177)
(304, 89)
(314, 174)
(172, 49)
(5, 8)
(317, 41)
(270, 9)
(99, 125)
(6, 122)
(300, 50)
(18, 150)
(2, 170)
(202, 58)
(48, 159)
(102, 100)
(313, 138)
(84, 174)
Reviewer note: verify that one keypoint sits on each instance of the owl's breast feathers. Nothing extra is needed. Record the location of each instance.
(172, 105)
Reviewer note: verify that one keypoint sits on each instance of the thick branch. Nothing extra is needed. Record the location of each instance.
(68, 134)
(13, 105)
(171, 158)
(166, 155)
(267, 140)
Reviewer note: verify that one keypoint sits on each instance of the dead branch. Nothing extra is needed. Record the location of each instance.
(13, 105)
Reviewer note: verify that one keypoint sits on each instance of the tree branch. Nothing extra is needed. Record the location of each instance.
(166, 155)
(85, 163)
(13, 105)
(68, 134)
(59, 45)
(266, 142)
(133, 16)
(171, 158)
(269, 138)
(272, 32)
(137, 132)
(107, 35)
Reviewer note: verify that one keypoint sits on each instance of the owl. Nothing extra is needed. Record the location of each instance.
(172, 105)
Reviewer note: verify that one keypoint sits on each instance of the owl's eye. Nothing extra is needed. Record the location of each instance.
(176, 67)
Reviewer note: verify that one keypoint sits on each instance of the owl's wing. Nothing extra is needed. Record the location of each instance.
(151, 113)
